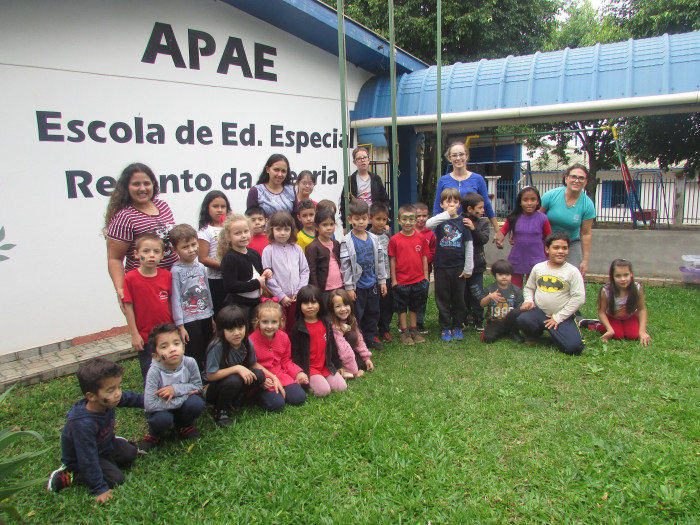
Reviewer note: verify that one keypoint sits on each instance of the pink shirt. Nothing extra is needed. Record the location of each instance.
(276, 356)
(335, 279)
(128, 224)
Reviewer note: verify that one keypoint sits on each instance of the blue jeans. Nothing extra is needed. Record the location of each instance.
(185, 416)
(367, 311)
(271, 401)
(567, 336)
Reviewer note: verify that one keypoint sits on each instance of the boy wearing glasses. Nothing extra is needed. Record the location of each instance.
(364, 184)
(408, 262)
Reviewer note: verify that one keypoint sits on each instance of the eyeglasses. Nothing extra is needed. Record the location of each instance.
(457, 155)
(577, 177)
(407, 219)
(361, 159)
(307, 183)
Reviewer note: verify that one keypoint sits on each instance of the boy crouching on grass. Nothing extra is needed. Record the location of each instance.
(553, 293)
(503, 301)
(90, 452)
(171, 385)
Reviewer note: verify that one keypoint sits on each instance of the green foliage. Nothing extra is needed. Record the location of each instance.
(440, 433)
(670, 140)
(471, 29)
(647, 18)
(10, 465)
(4, 246)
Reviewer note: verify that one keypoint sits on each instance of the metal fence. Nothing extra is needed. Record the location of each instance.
(657, 195)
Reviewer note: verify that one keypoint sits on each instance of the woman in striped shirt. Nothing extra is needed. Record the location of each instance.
(132, 211)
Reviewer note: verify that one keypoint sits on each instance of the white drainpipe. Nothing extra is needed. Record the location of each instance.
(649, 105)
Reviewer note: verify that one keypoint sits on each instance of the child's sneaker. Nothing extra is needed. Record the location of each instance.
(221, 419)
(189, 433)
(377, 344)
(59, 479)
(417, 338)
(387, 338)
(446, 336)
(479, 327)
(406, 338)
(421, 328)
(457, 335)
(148, 443)
(517, 338)
(591, 324)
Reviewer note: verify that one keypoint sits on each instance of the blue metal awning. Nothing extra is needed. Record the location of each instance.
(316, 23)
(652, 67)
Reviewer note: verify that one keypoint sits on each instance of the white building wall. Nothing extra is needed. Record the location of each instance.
(82, 59)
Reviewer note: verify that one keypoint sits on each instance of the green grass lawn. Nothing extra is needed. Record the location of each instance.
(439, 433)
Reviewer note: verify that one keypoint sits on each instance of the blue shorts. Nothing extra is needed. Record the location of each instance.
(411, 297)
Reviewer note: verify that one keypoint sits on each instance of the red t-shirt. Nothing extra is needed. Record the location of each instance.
(258, 243)
(317, 352)
(432, 242)
(151, 299)
(276, 356)
(409, 252)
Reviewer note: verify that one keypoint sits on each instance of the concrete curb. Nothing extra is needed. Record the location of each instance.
(37, 368)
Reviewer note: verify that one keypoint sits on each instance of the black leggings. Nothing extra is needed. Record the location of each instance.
(232, 390)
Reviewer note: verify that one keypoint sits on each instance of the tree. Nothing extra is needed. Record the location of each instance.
(581, 27)
(471, 29)
(666, 139)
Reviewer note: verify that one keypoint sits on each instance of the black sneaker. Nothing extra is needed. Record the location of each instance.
(189, 433)
(59, 479)
(221, 419)
(421, 328)
(479, 327)
(375, 344)
(148, 443)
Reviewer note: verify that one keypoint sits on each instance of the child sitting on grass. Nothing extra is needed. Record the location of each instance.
(90, 452)
(171, 385)
(352, 349)
(621, 307)
(503, 301)
(553, 293)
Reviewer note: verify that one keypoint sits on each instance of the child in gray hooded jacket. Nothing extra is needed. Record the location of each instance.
(172, 387)
(363, 271)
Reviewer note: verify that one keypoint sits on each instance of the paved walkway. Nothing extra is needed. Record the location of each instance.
(63, 362)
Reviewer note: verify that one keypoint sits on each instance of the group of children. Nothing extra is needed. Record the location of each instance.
(264, 315)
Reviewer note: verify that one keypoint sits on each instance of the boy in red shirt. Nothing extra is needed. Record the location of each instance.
(147, 297)
(408, 261)
(258, 222)
(422, 215)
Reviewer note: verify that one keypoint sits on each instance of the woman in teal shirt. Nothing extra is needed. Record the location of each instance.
(570, 210)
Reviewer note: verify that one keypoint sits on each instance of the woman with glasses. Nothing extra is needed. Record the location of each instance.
(570, 210)
(306, 182)
(364, 184)
(463, 180)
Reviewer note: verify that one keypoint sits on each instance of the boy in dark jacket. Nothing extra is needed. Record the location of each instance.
(90, 452)
(473, 211)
